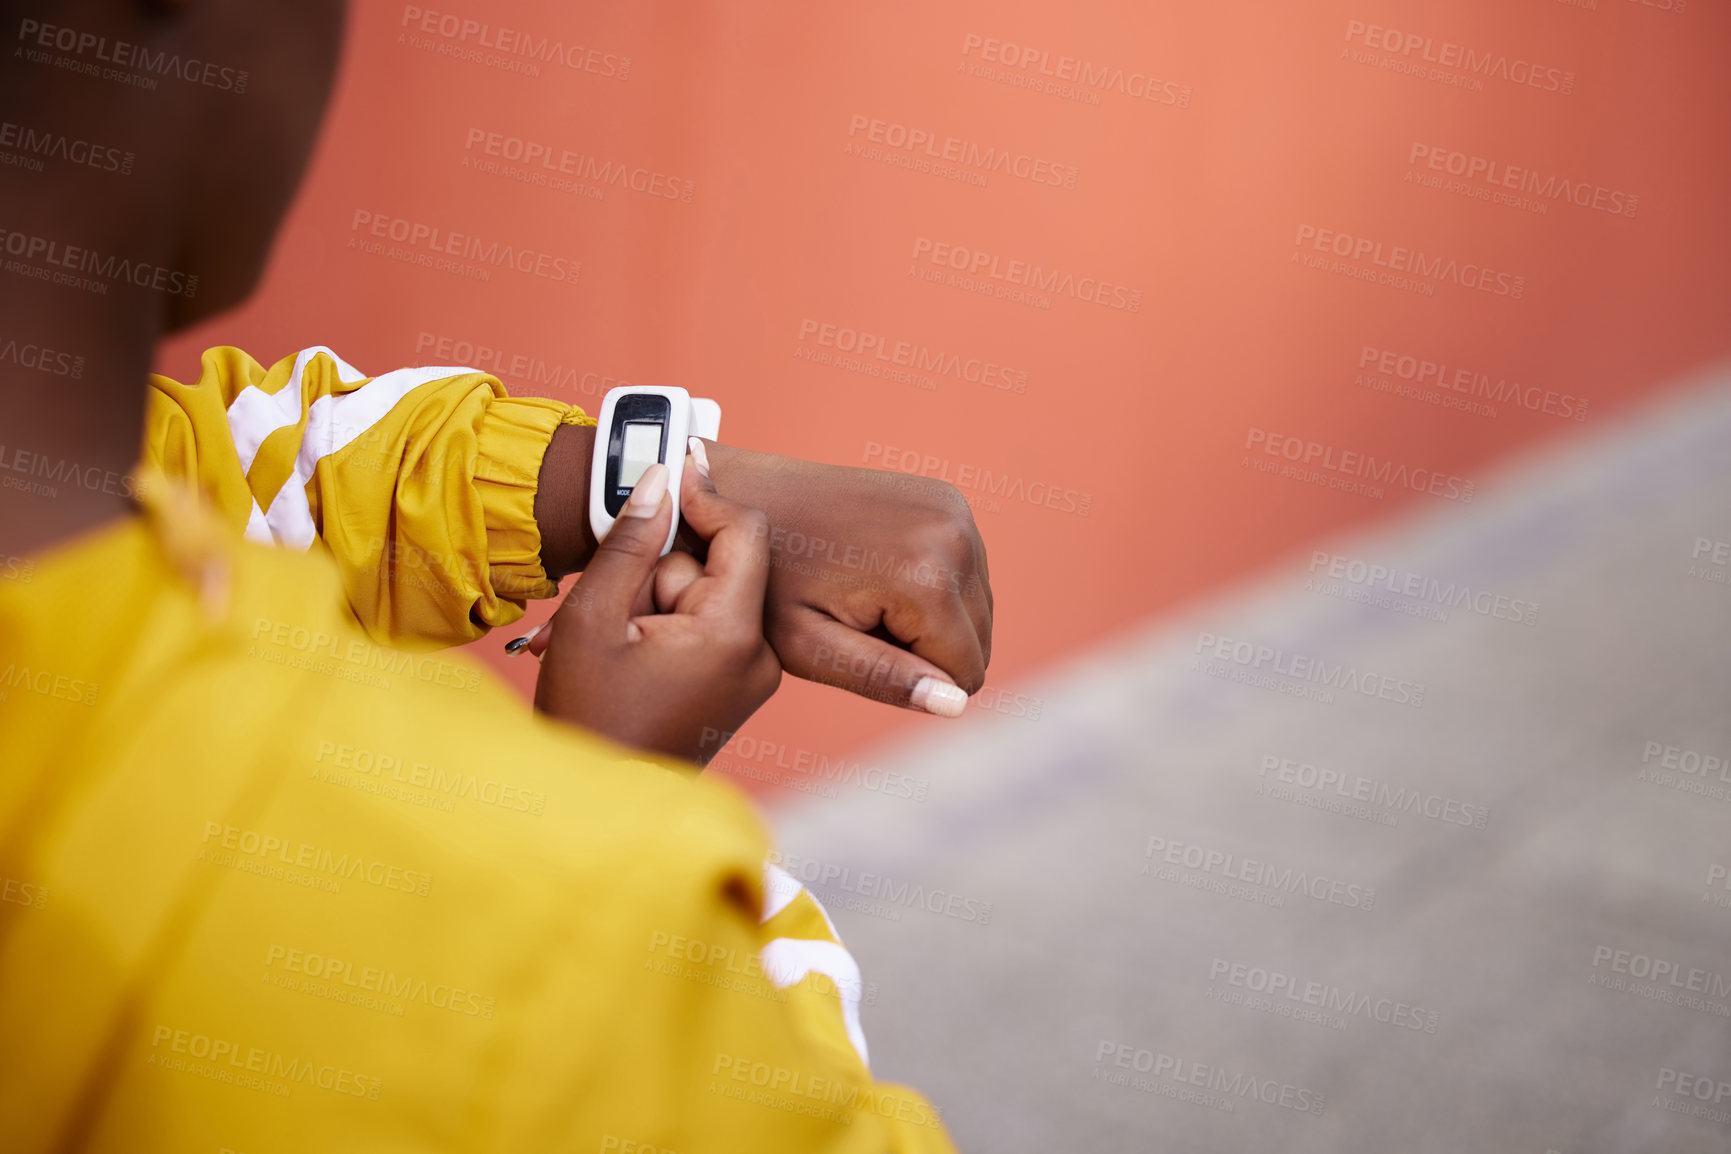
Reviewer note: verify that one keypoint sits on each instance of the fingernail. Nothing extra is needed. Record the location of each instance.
(939, 697)
(518, 644)
(645, 499)
(699, 455)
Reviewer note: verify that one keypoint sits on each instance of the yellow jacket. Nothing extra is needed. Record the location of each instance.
(268, 885)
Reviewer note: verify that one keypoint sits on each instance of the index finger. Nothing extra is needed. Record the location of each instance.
(736, 573)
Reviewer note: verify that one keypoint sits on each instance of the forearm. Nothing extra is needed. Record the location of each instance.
(562, 501)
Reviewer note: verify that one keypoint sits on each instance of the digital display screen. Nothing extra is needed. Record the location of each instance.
(642, 448)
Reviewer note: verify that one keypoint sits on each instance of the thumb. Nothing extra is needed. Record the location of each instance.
(813, 645)
(607, 593)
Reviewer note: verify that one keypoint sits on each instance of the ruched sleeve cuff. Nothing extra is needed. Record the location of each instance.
(514, 436)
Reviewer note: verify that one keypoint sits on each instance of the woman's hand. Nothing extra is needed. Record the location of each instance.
(659, 680)
(878, 580)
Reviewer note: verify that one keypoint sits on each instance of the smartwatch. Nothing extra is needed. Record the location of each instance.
(640, 426)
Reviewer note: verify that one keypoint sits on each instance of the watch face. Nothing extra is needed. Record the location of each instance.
(642, 449)
(636, 440)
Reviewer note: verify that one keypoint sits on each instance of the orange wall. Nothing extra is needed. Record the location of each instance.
(1266, 119)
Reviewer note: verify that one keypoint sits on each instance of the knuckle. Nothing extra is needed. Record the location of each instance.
(972, 680)
(753, 523)
(948, 534)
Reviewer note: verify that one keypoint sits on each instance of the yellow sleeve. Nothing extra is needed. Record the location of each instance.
(380, 906)
(802, 953)
(420, 483)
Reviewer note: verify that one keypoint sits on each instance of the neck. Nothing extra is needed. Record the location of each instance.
(72, 390)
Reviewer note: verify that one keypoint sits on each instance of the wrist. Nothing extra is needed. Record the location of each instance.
(737, 474)
(562, 495)
(745, 475)
(562, 501)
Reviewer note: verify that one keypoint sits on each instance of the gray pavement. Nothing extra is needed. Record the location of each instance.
(1193, 907)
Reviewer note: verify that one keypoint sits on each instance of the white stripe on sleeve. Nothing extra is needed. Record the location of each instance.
(257, 531)
(779, 890)
(786, 962)
(333, 422)
(255, 414)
